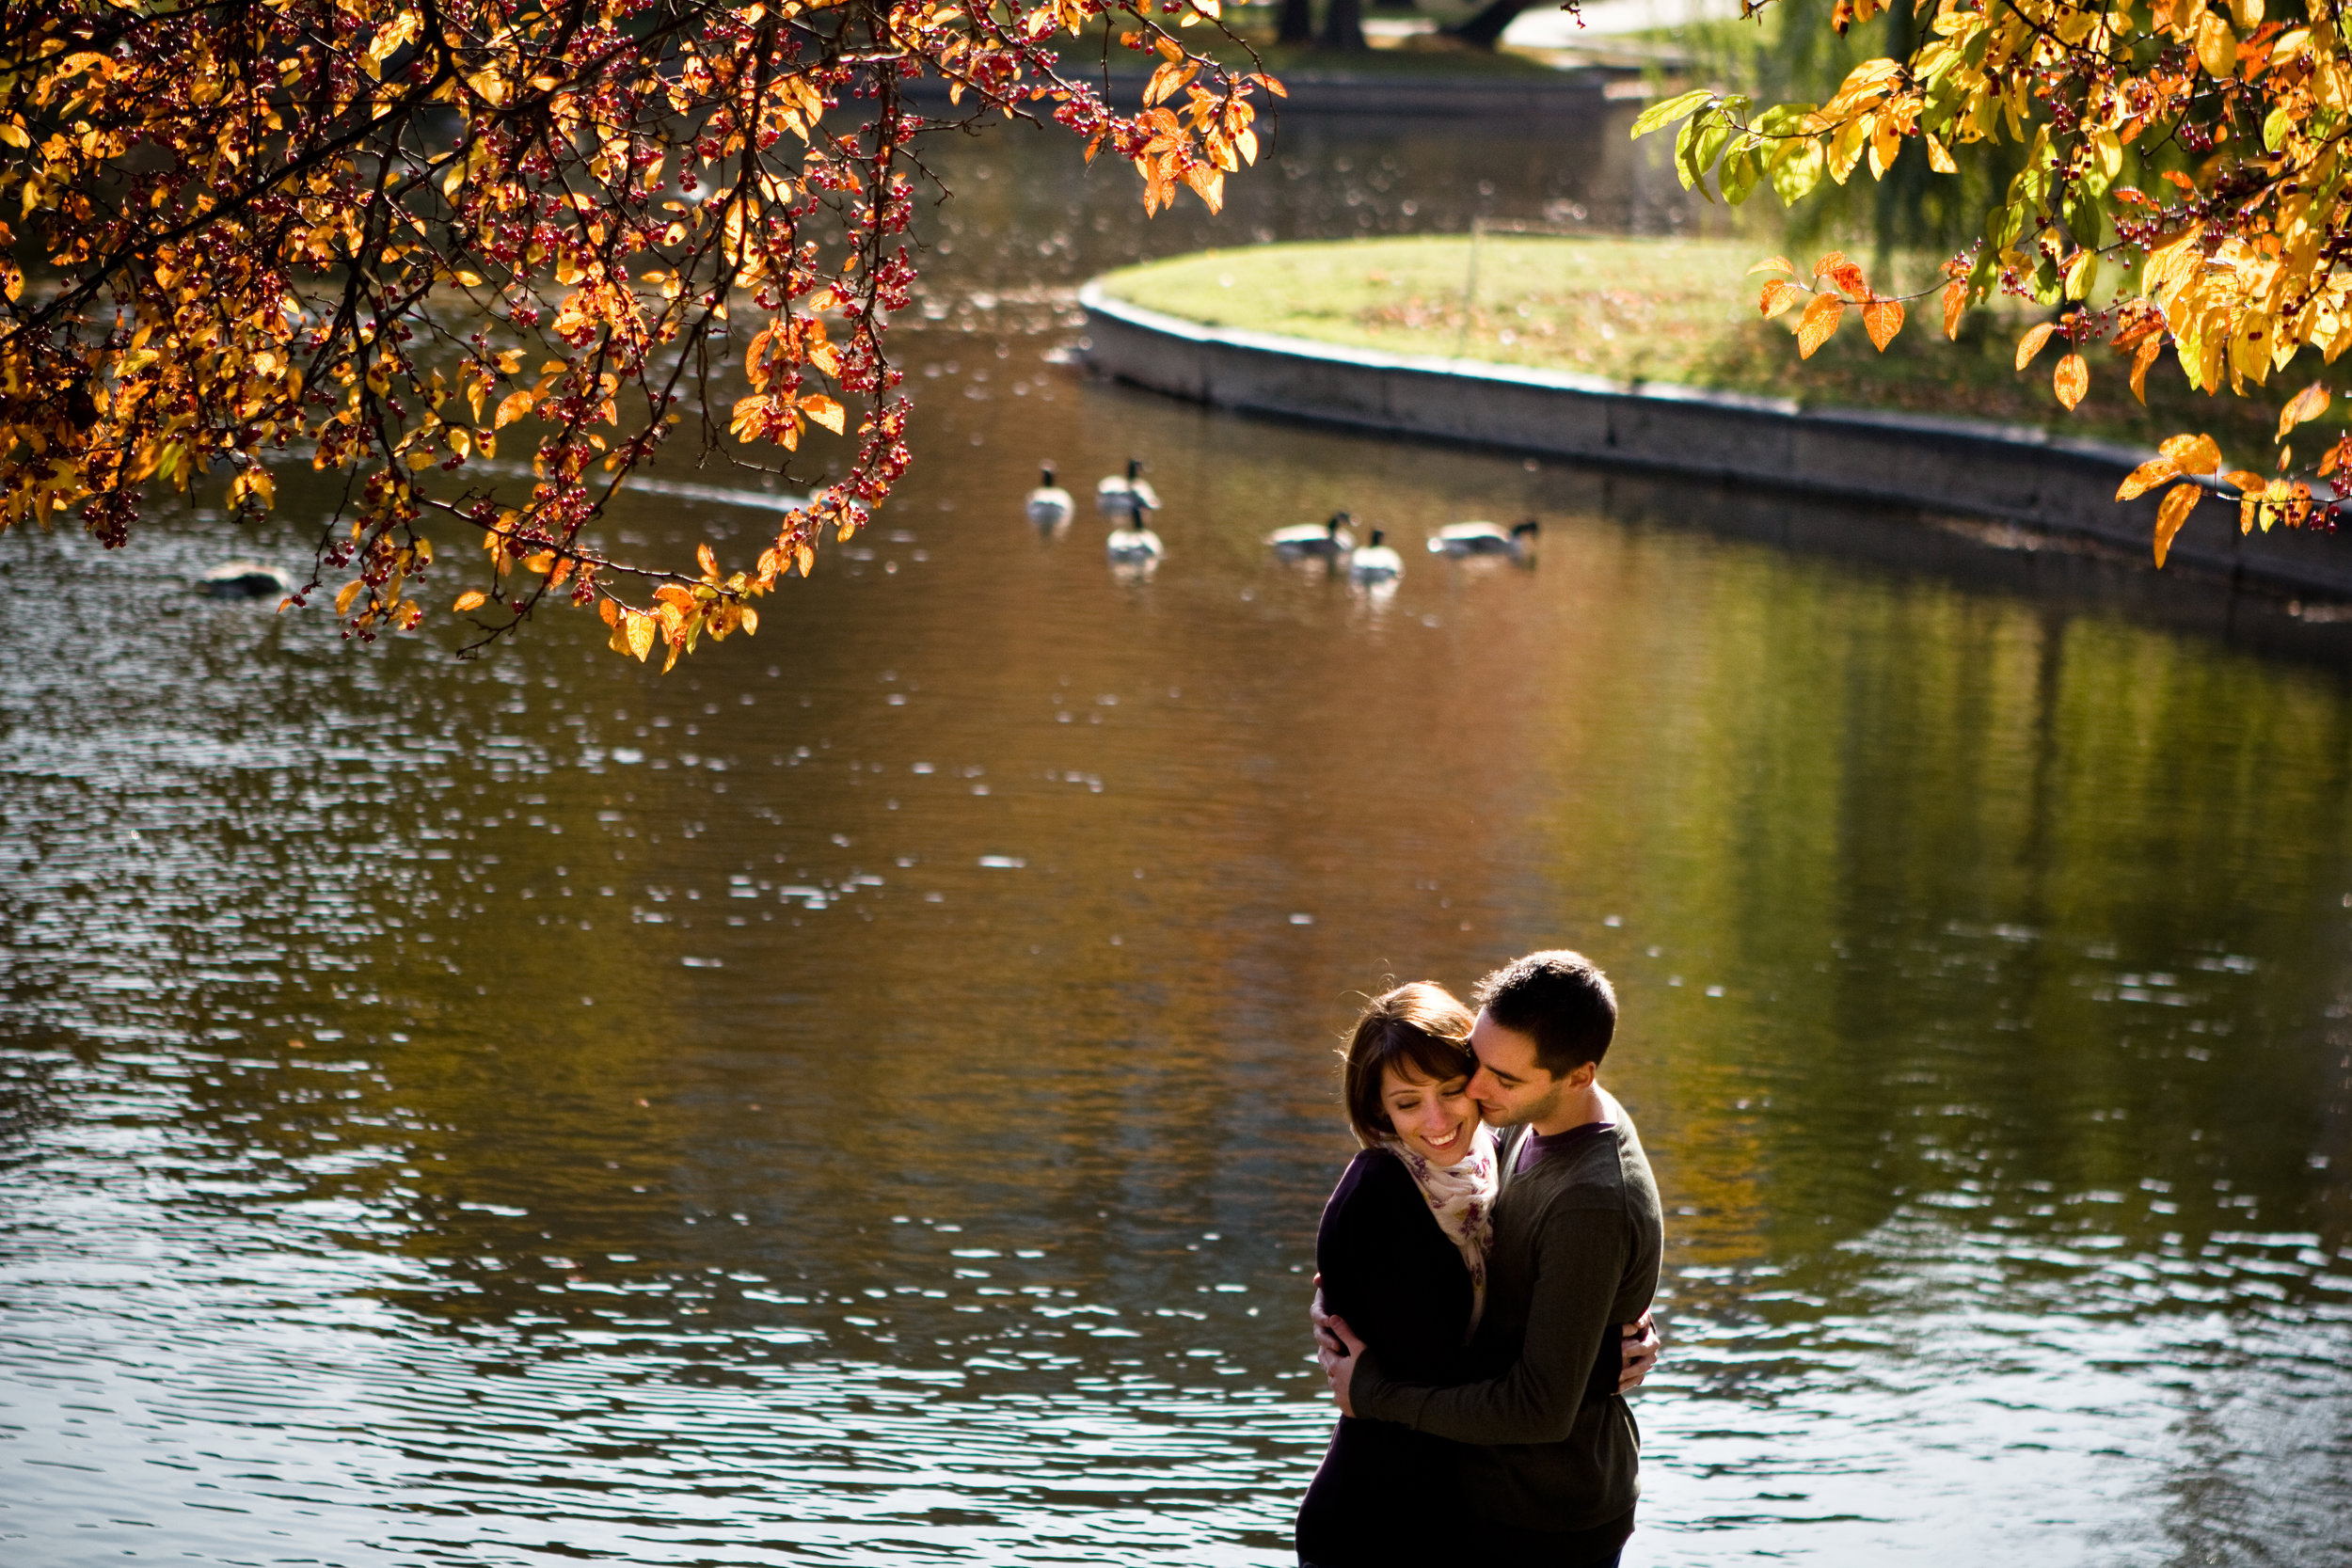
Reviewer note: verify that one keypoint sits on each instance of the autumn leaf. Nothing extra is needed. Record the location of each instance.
(1772, 263)
(640, 628)
(824, 411)
(2145, 357)
(2216, 47)
(1819, 322)
(2196, 454)
(1778, 295)
(511, 407)
(472, 598)
(1881, 319)
(2030, 344)
(2179, 502)
(2306, 405)
(2070, 380)
(2146, 478)
(1955, 301)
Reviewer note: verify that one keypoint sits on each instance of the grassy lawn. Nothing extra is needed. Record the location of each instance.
(1671, 310)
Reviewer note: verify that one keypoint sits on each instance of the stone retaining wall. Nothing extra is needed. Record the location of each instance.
(2019, 475)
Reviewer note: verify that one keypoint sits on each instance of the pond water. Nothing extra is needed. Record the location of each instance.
(867, 1097)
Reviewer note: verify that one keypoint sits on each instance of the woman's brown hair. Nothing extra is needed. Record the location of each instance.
(1422, 1031)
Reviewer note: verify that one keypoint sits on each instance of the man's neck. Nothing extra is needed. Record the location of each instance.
(1580, 1109)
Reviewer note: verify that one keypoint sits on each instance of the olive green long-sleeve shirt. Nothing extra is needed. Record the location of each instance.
(1551, 1445)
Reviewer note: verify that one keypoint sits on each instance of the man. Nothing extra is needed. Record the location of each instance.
(1550, 1456)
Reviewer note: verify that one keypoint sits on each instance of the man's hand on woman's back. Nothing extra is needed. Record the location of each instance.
(1641, 1345)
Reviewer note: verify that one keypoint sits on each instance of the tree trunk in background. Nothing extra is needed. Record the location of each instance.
(1342, 25)
(1483, 30)
(1295, 23)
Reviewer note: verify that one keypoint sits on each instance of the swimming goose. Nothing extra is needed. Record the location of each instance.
(1134, 540)
(1375, 562)
(1329, 540)
(1112, 492)
(1481, 538)
(244, 580)
(1049, 504)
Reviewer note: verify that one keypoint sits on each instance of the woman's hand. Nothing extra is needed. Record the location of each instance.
(1642, 1347)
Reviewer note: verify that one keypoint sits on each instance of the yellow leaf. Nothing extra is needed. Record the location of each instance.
(2307, 404)
(1939, 158)
(2146, 478)
(2246, 481)
(2070, 380)
(751, 620)
(472, 598)
(2179, 502)
(1819, 322)
(1772, 263)
(1955, 301)
(1881, 319)
(1778, 295)
(2030, 344)
(351, 591)
(461, 441)
(640, 633)
(2216, 47)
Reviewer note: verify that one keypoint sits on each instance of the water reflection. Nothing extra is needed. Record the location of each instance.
(867, 1097)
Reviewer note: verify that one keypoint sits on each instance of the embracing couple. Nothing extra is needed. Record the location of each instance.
(1486, 1267)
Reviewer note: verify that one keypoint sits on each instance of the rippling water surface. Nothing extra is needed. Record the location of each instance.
(867, 1097)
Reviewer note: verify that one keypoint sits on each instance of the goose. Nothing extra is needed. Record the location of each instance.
(1135, 541)
(1329, 540)
(244, 580)
(1482, 538)
(1049, 504)
(1112, 492)
(1375, 562)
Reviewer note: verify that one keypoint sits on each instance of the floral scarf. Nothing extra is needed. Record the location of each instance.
(1462, 1200)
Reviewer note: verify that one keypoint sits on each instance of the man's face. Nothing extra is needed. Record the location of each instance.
(1509, 1086)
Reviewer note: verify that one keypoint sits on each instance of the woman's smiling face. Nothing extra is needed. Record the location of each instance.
(1435, 1120)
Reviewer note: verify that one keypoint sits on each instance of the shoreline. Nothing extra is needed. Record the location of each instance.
(2017, 475)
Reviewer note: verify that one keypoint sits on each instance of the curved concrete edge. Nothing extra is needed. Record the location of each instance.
(2018, 474)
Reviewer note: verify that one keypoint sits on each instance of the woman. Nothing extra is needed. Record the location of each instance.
(1401, 1253)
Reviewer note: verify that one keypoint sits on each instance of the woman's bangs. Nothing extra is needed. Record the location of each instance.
(1427, 1058)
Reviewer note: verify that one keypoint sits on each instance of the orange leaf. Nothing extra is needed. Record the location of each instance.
(1955, 301)
(2071, 381)
(2179, 502)
(2196, 454)
(710, 562)
(2146, 478)
(2246, 481)
(1771, 264)
(610, 611)
(1778, 295)
(1819, 322)
(824, 411)
(2308, 404)
(2148, 352)
(472, 598)
(1829, 263)
(1881, 319)
(2030, 344)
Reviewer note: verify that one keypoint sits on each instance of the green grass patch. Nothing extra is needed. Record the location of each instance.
(1669, 310)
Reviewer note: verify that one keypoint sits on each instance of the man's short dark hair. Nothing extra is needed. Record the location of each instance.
(1559, 999)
